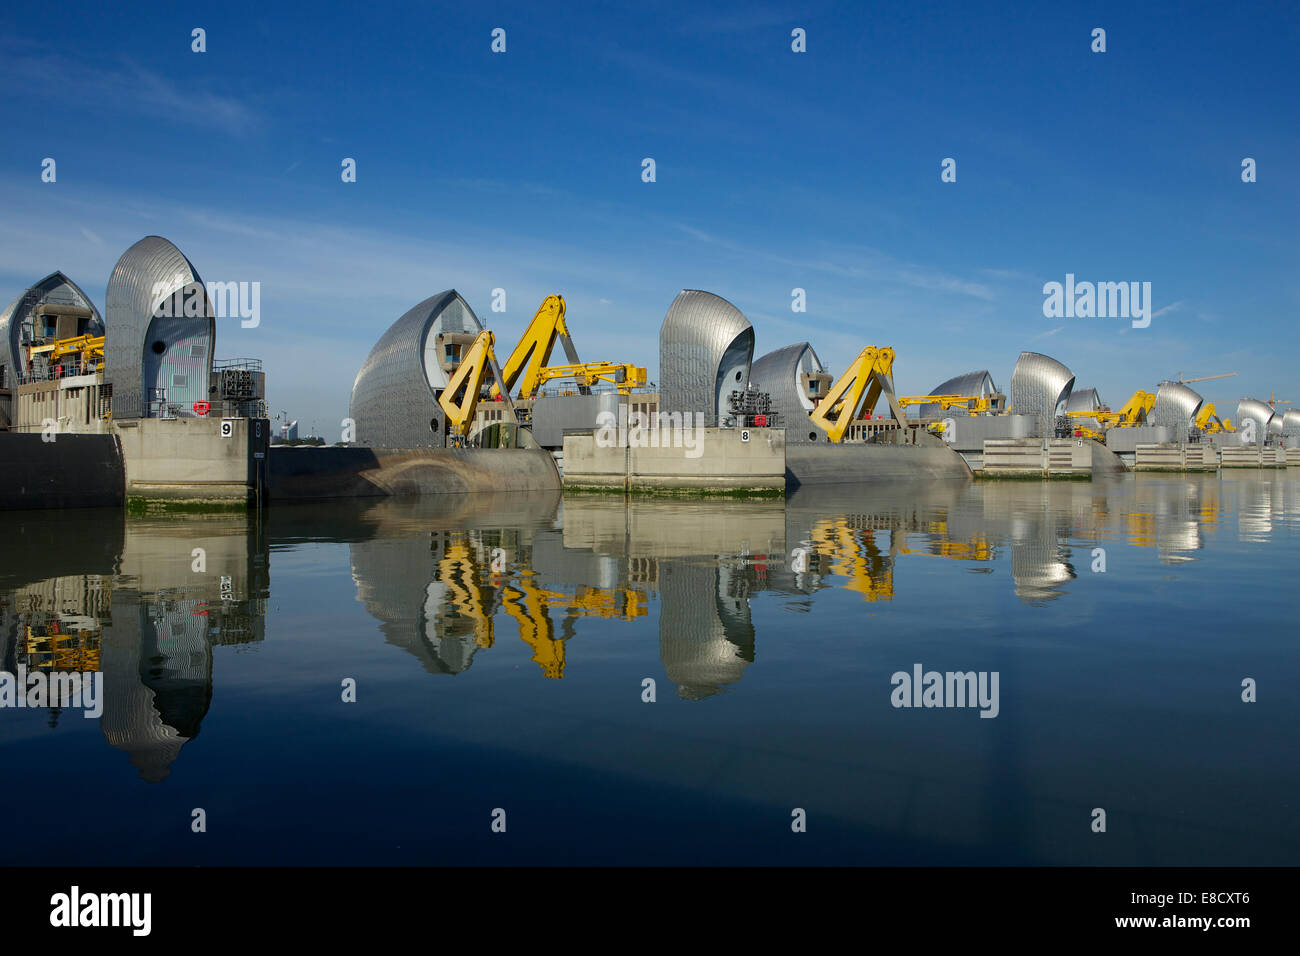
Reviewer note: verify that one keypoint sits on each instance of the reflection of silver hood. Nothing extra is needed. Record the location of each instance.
(706, 637)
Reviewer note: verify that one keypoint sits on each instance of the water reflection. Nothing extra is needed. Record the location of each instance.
(446, 579)
(137, 612)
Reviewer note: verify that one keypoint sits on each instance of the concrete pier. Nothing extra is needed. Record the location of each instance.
(1176, 456)
(195, 460)
(722, 460)
(1048, 458)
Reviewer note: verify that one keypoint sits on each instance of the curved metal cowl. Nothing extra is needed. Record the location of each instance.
(1084, 400)
(978, 383)
(705, 348)
(1260, 413)
(1040, 386)
(394, 398)
(1176, 405)
(17, 323)
(1291, 422)
(780, 374)
(158, 344)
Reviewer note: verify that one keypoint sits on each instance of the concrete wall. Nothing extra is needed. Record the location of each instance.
(724, 461)
(1125, 440)
(305, 473)
(75, 404)
(1056, 457)
(189, 459)
(554, 414)
(828, 464)
(1253, 456)
(1176, 456)
(969, 432)
(73, 471)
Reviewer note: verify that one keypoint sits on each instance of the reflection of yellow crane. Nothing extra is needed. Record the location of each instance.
(856, 392)
(855, 555)
(50, 647)
(458, 572)
(528, 606)
(531, 605)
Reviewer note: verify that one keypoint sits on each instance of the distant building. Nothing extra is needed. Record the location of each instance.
(289, 431)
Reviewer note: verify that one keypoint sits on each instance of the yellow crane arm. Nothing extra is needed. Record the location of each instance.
(973, 403)
(534, 350)
(868, 377)
(90, 346)
(626, 377)
(1207, 420)
(460, 398)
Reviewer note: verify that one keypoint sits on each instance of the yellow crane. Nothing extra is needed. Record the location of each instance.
(87, 347)
(1133, 412)
(972, 403)
(1208, 420)
(460, 398)
(856, 392)
(624, 377)
(529, 364)
(1203, 378)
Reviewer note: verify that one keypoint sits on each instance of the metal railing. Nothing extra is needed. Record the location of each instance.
(55, 372)
(251, 364)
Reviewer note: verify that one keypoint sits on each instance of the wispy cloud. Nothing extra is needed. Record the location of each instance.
(127, 88)
(856, 263)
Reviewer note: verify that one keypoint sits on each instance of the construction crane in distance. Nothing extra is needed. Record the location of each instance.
(1203, 378)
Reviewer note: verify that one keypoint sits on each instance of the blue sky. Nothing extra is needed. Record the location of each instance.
(775, 170)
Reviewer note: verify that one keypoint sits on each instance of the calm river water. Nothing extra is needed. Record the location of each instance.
(502, 650)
